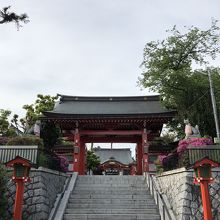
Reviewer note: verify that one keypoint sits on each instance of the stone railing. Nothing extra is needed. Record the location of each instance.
(160, 199)
(39, 195)
(185, 197)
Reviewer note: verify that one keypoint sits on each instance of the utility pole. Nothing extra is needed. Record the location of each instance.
(214, 104)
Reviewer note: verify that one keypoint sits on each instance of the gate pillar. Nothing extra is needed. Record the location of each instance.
(82, 158)
(76, 152)
(145, 147)
(139, 157)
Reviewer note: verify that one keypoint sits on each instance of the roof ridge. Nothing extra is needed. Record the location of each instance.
(109, 98)
(111, 149)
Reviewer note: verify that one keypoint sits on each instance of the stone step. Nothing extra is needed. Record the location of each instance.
(109, 196)
(107, 181)
(113, 192)
(109, 184)
(103, 187)
(111, 201)
(111, 211)
(108, 177)
(109, 205)
(111, 217)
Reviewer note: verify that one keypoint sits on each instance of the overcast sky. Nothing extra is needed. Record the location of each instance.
(86, 47)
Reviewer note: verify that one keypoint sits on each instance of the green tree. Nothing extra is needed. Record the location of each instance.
(50, 132)
(8, 17)
(3, 190)
(93, 160)
(35, 111)
(167, 69)
(5, 125)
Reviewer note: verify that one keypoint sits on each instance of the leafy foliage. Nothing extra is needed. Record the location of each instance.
(34, 111)
(25, 140)
(92, 160)
(50, 134)
(159, 166)
(49, 131)
(168, 70)
(5, 129)
(7, 17)
(3, 200)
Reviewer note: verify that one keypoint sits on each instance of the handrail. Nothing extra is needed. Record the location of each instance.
(161, 201)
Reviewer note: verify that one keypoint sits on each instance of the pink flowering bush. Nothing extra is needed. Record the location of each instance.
(192, 142)
(64, 163)
(166, 162)
(180, 158)
(161, 157)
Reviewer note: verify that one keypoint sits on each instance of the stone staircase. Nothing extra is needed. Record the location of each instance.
(111, 198)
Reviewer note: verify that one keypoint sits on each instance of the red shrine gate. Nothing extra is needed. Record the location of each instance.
(110, 120)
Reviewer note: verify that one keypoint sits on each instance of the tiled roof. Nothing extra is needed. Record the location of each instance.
(131, 105)
(121, 155)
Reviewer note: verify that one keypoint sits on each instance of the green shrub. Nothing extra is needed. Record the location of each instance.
(42, 160)
(25, 140)
(159, 166)
(3, 197)
(50, 134)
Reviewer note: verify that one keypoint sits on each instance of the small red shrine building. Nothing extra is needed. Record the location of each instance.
(115, 161)
(129, 119)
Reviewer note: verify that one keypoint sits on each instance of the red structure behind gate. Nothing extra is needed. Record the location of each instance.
(135, 119)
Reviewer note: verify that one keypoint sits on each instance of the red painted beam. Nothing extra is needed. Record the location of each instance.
(111, 139)
(110, 132)
(104, 139)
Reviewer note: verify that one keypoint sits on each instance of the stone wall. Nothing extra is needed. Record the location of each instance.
(39, 195)
(185, 197)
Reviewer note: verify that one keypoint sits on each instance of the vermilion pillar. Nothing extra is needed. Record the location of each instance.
(82, 158)
(19, 199)
(145, 147)
(139, 150)
(204, 185)
(76, 153)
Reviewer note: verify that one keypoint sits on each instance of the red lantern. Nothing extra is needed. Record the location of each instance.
(21, 168)
(203, 176)
(203, 170)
